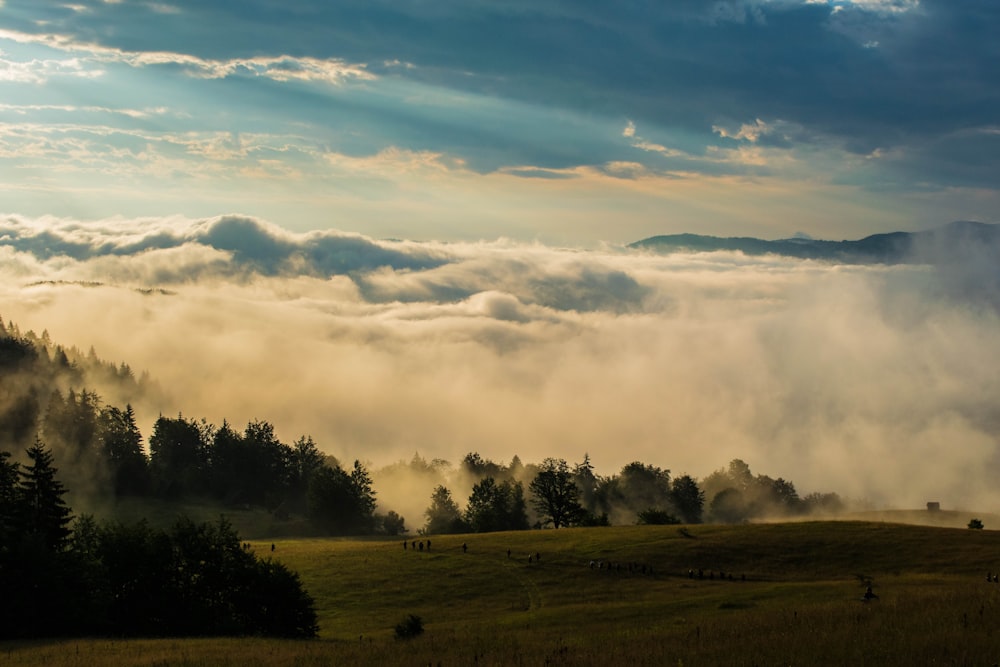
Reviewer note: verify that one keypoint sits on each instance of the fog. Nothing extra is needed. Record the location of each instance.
(876, 382)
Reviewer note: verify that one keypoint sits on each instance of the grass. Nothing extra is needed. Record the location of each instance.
(800, 602)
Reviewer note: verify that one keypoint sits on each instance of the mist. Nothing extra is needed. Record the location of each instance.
(876, 382)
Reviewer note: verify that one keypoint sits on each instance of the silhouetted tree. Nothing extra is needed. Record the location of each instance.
(687, 498)
(178, 456)
(587, 482)
(392, 523)
(443, 515)
(43, 512)
(342, 504)
(478, 467)
(121, 445)
(495, 506)
(555, 494)
(729, 506)
(306, 459)
(364, 494)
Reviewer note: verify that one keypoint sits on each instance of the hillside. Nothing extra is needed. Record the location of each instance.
(800, 602)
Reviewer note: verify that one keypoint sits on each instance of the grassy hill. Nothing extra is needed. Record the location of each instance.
(795, 598)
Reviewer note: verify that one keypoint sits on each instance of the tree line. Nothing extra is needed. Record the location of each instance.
(62, 577)
(251, 467)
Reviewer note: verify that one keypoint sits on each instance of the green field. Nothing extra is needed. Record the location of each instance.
(800, 602)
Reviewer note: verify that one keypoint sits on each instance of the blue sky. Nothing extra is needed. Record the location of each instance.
(573, 123)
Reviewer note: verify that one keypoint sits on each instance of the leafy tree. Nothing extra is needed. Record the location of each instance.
(825, 503)
(556, 496)
(729, 506)
(494, 507)
(392, 523)
(687, 498)
(443, 515)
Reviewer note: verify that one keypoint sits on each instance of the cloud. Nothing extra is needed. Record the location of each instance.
(865, 380)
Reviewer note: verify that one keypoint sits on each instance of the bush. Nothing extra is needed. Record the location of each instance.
(976, 524)
(655, 517)
(410, 627)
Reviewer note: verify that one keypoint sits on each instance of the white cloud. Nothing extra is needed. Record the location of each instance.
(278, 68)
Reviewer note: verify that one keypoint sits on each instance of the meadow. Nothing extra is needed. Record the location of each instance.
(614, 596)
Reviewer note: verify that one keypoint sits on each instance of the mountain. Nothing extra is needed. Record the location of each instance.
(952, 242)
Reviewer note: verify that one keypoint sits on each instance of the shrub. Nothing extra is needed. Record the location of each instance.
(410, 627)
(976, 524)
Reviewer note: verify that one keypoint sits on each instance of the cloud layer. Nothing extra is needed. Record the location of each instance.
(871, 381)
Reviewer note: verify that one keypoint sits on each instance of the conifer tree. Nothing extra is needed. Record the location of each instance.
(43, 512)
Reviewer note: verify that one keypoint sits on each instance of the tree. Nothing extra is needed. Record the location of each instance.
(393, 523)
(495, 506)
(121, 445)
(687, 498)
(331, 501)
(305, 461)
(443, 515)
(9, 476)
(587, 482)
(43, 512)
(556, 496)
(729, 506)
(478, 467)
(178, 456)
(341, 503)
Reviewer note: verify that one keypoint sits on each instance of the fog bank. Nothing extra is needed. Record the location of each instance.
(877, 382)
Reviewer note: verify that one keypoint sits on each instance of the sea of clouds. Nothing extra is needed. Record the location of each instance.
(877, 382)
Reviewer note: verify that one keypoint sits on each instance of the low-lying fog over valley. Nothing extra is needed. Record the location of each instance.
(875, 381)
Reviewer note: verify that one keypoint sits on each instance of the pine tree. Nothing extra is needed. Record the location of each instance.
(43, 512)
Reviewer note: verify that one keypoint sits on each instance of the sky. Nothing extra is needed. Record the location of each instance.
(566, 122)
(400, 227)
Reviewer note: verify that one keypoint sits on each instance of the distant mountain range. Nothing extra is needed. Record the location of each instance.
(952, 242)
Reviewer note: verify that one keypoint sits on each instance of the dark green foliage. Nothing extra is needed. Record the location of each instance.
(178, 457)
(555, 494)
(410, 627)
(687, 498)
(443, 515)
(342, 504)
(198, 579)
(495, 506)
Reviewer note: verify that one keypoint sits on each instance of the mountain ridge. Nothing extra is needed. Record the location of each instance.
(949, 242)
